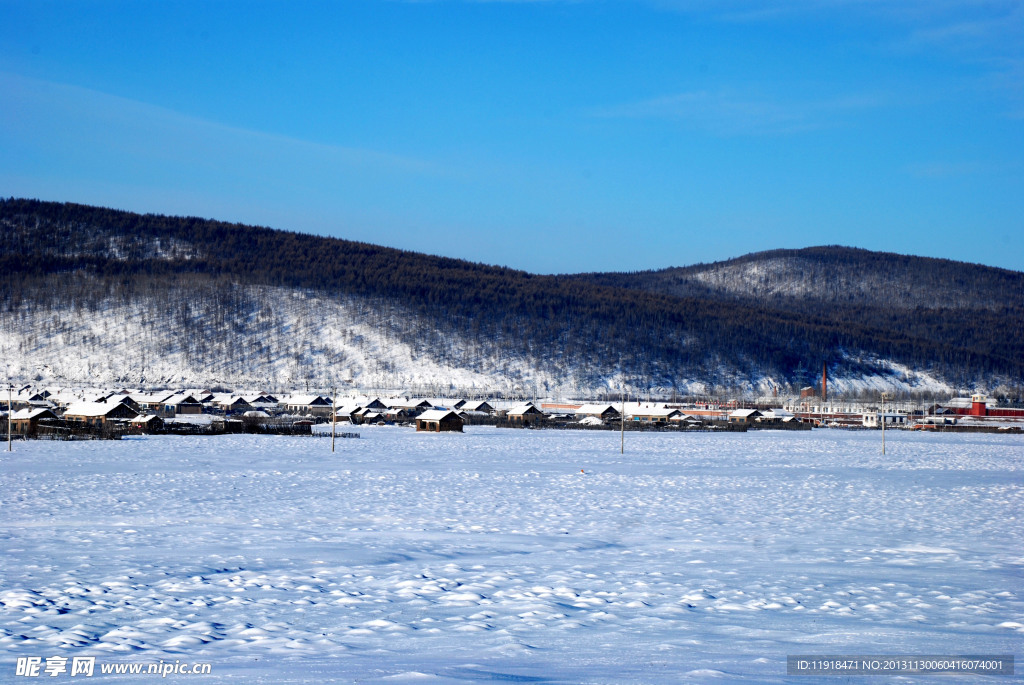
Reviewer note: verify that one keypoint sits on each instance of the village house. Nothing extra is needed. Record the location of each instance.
(26, 399)
(153, 402)
(477, 406)
(203, 396)
(892, 419)
(98, 413)
(776, 415)
(374, 403)
(117, 398)
(744, 415)
(345, 412)
(182, 403)
(63, 398)
(445, 402)
(308, 405)
(657, 415)
(146, 423)
(230, 403)
(439, 420)
(26, 421)
(605, 412)
(366, 415)
(525, 415)
(412, 407)
(402, 413)
(262, 402)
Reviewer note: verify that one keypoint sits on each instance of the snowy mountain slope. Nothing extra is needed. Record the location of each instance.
(838, 275)
(257, 336)
(94, 295)
(272, 337)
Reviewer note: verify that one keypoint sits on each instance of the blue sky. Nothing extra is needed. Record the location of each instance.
(548, 136)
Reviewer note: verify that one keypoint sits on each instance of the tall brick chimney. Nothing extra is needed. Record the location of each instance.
(824, 383)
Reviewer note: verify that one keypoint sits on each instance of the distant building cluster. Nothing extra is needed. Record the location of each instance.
(54, 410)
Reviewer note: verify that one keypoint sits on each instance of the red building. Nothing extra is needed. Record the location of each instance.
(978, 406)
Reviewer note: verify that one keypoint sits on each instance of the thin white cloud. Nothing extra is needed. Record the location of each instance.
(52, 115)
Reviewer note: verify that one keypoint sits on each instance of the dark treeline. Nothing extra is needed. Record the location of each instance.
(976, 308)
(561, 321)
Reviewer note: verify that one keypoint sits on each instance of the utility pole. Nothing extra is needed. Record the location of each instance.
(334, 414)
(10, 404)
(622, 419)
(885, 396)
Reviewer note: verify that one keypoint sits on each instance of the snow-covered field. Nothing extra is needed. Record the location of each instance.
(490, 556)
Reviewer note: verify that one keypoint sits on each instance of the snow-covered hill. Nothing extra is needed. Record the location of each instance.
(96, 296)
(257, 336)
(837, 276)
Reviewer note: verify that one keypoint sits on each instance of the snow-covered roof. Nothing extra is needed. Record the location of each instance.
(200, 394)
(23, 414)
(150, 398)
(596, 409)
(523, 409)
(191, 419)
(366, 400)
(406, 403)
(474, 405)
(228, 399)
(28, 396)
(777, 413)
(447, 402)
(305, 400)
(436, 415)
(663, 412)
(744, 413)
(91, 408)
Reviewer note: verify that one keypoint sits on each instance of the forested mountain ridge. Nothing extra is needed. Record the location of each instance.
(978, 307)
(234, 302)
(836, 275)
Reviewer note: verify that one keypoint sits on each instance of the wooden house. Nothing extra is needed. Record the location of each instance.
(605, 412)
(204, 396)
(150, 402)
(413, 407)
(656, 415)
(776, 415)
(308, 405)
(182, 403)
(367, 415)
(744, 415)
(438, 421)
(120, 398)
(25, 399)
(476, 405)
(146, 423)
(230, 403)
(525, 415)
(98, 413)
(26, 421)
(373, 403)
